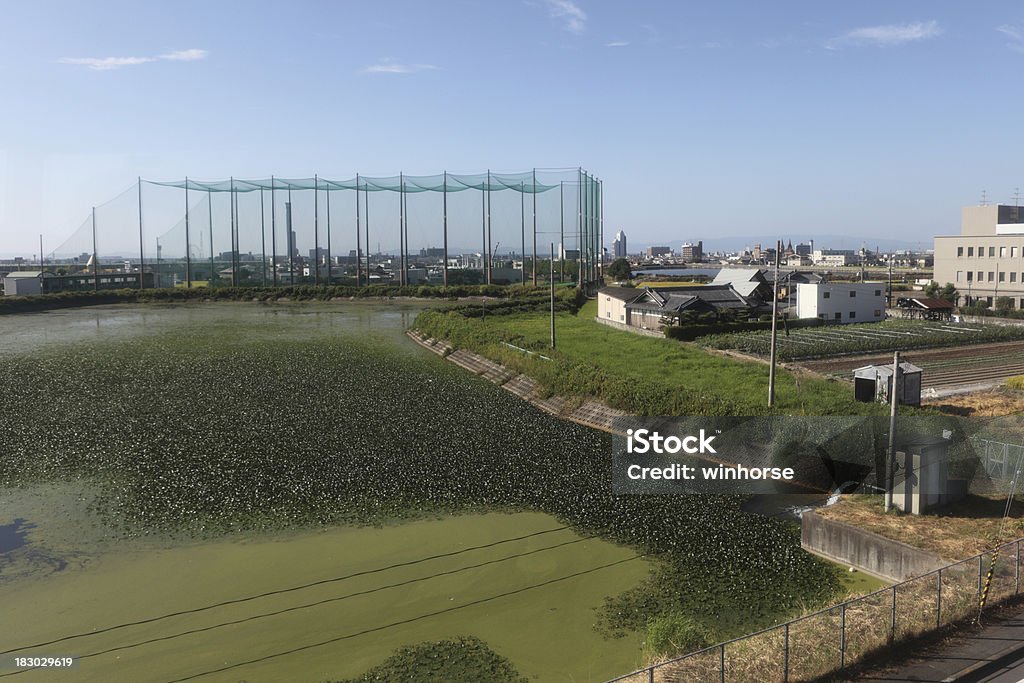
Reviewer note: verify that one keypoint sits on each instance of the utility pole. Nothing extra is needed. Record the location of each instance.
(890, 459)
(551, 278)
(775, 316)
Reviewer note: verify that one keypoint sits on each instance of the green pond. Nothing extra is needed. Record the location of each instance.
(293, 491)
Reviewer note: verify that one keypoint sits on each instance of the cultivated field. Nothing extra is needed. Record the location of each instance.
(849, 340)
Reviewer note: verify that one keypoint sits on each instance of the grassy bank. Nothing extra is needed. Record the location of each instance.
(643, 375)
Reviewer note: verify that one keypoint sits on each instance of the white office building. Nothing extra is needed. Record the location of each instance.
(845, 302)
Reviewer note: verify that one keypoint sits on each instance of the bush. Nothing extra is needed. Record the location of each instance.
(1015, 382)
(675, 633)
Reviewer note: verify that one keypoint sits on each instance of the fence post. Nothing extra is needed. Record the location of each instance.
(892, 622)
(721, 663)
(785, 656)
(1016, 571)
(650, 675)
(938, 600)
(842, 635)
(981, 572)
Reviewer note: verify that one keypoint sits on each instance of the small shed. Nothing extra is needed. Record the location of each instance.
(920, 308)
(872, 383)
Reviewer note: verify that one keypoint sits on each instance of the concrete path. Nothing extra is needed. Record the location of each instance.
(994, 653)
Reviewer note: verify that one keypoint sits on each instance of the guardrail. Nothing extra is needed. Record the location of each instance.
(826, 641)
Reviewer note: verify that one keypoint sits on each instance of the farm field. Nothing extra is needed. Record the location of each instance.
(198, 425)
(944, 370)
(839, 340)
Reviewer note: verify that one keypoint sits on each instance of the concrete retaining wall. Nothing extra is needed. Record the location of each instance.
(865, 550)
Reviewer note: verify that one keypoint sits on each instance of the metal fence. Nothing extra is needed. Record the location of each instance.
(828, 640)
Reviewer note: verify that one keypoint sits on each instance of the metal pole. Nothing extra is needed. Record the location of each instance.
(522, 220)
(534, 227)
(552, 278)
(188, 243)
(95, 256)
(561, 230)
(142, 255)
(444, 200)
(329, 256)
(263, 237)
(209, 207)
(938, 599)
(290, 241)
(785, 654)
(721, 663)
(892, 621)
(775, 327)
(490, 251)
(1016, 571)
(600, 218)
(231, 227)
(366, 215)
(891, 456)
(842, 635)
(401, 230)
(359, 263)
(41, 269)
(579, 227)
(650, 674)
(273, 229)
(483, 235)
(316, 230)
(981, 573)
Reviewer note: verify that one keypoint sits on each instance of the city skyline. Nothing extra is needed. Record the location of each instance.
(868, 121)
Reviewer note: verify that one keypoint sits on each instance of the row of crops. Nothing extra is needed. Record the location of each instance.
(240, 427)
(838, 340)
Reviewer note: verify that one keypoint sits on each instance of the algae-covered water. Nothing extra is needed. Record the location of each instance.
(172, 507)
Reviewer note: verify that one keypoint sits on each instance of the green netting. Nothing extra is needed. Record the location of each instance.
(403, 229)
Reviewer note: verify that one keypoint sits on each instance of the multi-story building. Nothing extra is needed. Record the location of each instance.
(986, 260)
(841, 302)
(692, 252)
(654, 252)
(619, 245)
(834, 257)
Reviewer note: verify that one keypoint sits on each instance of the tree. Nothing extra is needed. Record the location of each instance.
(949, 293)
(931, 290)
(1004, 304)
(620, 270)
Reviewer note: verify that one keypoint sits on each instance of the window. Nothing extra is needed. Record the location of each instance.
(981, 276)
(826, 295)
(959, 251)
(970, 251)
(853, 293)
(821, 315)
(853, 314)
(1002, 276)
(991, 276)
(1013, 252)
(959, 275)
(992, 252)
(1013, 276)
(878, 313)
(981, 251)
(838, 316)
(1002, 252)
(878, 292)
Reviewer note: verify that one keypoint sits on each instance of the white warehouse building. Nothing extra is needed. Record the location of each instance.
(845, 302)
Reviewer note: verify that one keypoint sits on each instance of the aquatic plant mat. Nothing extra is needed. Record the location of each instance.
(199, 426)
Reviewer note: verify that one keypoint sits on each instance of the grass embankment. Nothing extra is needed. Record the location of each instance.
(954, 531)
(642, 375)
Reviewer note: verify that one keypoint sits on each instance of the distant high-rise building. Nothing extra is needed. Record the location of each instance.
(619, 245)
(692, 252)
(654, 252)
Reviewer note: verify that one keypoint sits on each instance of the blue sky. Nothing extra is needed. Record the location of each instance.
(873, 119)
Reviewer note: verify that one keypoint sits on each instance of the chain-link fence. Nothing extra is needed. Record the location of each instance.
(831, 639)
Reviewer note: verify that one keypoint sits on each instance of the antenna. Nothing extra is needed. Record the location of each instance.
(984, 198)
(1016, 196)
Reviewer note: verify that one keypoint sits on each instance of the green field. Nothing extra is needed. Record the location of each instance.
(519, 596)
(644, 375)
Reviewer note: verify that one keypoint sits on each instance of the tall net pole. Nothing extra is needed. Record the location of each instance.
(188, 243)
(290, 241)
(534, 263)
(95, 256)
(316, 230)
(483, 234)
(359, 264)
(263, 237)
(522, 221)
(579, 227)
(329, 256)
(490, 250)
(401, 229)
(209, 207)
(561, 230)
(444, 209)
(273, 229)
(142, 256)
(366, 207)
